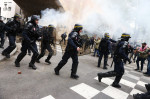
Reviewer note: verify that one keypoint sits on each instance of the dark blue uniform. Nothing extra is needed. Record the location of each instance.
(104, 50)
(71, 51)
(30, 35)
(2, 33)
(63, 36)
(119, 56)
(13, 27)
(47, 39)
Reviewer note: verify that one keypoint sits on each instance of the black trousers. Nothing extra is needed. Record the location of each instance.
(24, 48)
(2, 35)
(66, 56)
(105, 58)
(43, 49)
(12, 45)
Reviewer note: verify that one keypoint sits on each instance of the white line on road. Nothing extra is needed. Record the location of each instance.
(86, 91)
(48, 97)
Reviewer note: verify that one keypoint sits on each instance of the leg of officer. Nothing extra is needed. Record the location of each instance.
(12, 44)
(75, 63)
(64, 60)
(24, 49)
(2, 40)
(100, 59)
(105, 60)
(119, 69)
(43, 48)
(34, 49)
(50, 54)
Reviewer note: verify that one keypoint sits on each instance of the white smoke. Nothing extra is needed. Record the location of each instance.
(100, 16)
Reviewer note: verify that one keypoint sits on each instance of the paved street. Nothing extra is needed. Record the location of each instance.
(44, 84)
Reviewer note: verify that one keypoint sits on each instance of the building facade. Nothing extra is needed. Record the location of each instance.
(8, 8)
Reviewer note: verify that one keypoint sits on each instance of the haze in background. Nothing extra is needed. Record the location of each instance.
(100, 16)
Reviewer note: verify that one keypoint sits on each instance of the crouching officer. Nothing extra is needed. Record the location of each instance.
(30, 35)
(2, 32)
(73, 46)
(13, 27)
(119, 56)
(143, 95)
(47, 39)
(104, 50)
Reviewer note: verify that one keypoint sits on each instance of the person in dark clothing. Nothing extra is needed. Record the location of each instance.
(12, 28)
(73, 46)
(143, 95)
(119, 56)
(30, 36)
(92, 41)
(47, 39)
(104, 50)
(63, 37)
(2, 32)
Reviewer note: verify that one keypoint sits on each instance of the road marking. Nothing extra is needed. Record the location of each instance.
(84, 90)
(141, 83)
(48, 97)
(115, 93)
(132, 76)
(109, 81)
(135, 91)
(127, 83)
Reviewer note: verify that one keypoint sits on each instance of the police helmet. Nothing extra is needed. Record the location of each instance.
(17, 15)
(106, 35)
(50, 26)
(125, 36)
(34, 17)
(78, 27)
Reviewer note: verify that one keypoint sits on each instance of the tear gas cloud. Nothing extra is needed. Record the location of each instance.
(100, 16)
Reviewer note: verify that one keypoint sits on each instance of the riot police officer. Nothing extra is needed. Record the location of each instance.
(13, 27)
(47, 39)
(119, 56)
(30, 35)
(73, 46)
(104, 50)
(143, 95)
(2, 32)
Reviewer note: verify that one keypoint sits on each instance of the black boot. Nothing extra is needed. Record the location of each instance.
(105, 67)
(32, 66)
(7, 56)
(74, 76)
(140, 96)
(38, 61)
(99, 77)
(56, 71)
(115, 84)
(147, 87)
(17, 64)
(47, 61)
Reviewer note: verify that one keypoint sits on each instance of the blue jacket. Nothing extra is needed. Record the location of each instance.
(73, 41)
(120, 52)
